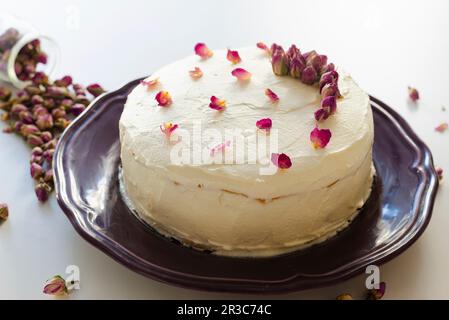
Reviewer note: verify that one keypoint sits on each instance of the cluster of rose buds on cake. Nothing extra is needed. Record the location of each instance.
(310, 68)
(40, 113)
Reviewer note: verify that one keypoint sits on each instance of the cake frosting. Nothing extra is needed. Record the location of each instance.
(231, 208)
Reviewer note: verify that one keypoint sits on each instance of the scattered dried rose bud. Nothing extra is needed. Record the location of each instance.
(55, 286)
(309, 75)
(279, 63)
(18, 108)
(271, 95)
(203, 51)
(40, 78)
(5, 116)
(77, 109)
(233, 56)
(95, 89)
(58, 113)
(320, 138)
(413, 94)
(329, 104)
(241, 74)
(37, 151)
(67, 103)
(46, 136)
(150, 84)
(48, 177)
(282, 161)
(38, 110)
(5, 94)
(439, 172)
(57, 92)
(44, 121)
(27, 129)
(264, 124)
(377, 294)
(26, 117)
(48, 155)
(330, 89)
(37, 99)
(36, 170)
(42, 190)
(34, 140)
(217, 104)
(167, 128)
(4, 211)
(18, 127)
(64, 81)
(164, 99)
(321, 114)
(62, 123)
(442, 127)
(344, 296)
(196, 73)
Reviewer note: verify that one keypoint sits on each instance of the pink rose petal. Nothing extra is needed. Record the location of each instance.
(163, 98)
(167, 128)
(264, 124)
(413, 94)
(321, 115)
(271, 95)
(262, 46)
(442, 127)
(233, 56)
(196, 73)
(150, 84)
(282, 161)
(241, 74)
(203, 51)
(217, 104)
(320, 138)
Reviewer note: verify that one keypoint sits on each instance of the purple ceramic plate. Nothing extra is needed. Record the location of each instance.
(86, 168)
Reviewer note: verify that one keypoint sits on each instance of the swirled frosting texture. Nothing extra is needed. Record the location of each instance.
(232, 208)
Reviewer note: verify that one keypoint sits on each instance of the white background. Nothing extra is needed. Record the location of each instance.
(386, 45)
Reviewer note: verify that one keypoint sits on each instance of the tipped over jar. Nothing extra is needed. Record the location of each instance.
(24, 52)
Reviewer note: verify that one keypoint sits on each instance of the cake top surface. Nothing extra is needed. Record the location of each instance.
(292, 120)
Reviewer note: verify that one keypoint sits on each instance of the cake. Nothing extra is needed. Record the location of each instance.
(182, 187)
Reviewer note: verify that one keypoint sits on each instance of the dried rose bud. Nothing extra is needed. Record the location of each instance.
(26, 117)
(18, 127)
(328, 77)
(5, 116)
(345, 296)
(42, 58)
(57, 92)
(279, 63)
(5, 94)
(309, 75)
(64, 81)
(377, 294)
(36, 170)
(55, 286)
(291, 54)
(330, 89)
(62, 123)
(77, 109)
(37, 151)
(46, 136)
(40, 78)
(58, 113)
(50, 145)
(4, 211)
(27, 129)
(34, 140)
(296, 67)
(18, 68)
(67, 103)
(439, 172)
(49, 103)
(18, 108)
(22, 94)
(32, 90)
(48, 177)
(38, 110)
(275, 48)
(82, 99)
(42, 190)
(321, 114)
(329, 104)
(327, 68)
(44, 121)
(413, 94)
(37, 99)
(48, 155)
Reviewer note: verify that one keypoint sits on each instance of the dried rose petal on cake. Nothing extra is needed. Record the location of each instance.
(413, 94)
(262, 46)
(196, 73)
(320, 138)
(233, 56)
(264, 124)
(163, 98)
(167, 128)
(282, 161)
(321, 115)
(203, 51)
(271, 95)
(217, 104)
(241, 74)
(55, 286)
(442, 127)
(150, 84)
(219, 148)
(377, 294)
(329, 104)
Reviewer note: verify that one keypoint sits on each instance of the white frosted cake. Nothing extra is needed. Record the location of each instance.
(180, 184)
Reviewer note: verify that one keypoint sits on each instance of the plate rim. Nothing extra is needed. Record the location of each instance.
(292, 284)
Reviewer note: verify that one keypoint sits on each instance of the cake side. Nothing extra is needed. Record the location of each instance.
(231, 207)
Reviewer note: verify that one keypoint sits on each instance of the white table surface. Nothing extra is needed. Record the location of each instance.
(386, 45)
